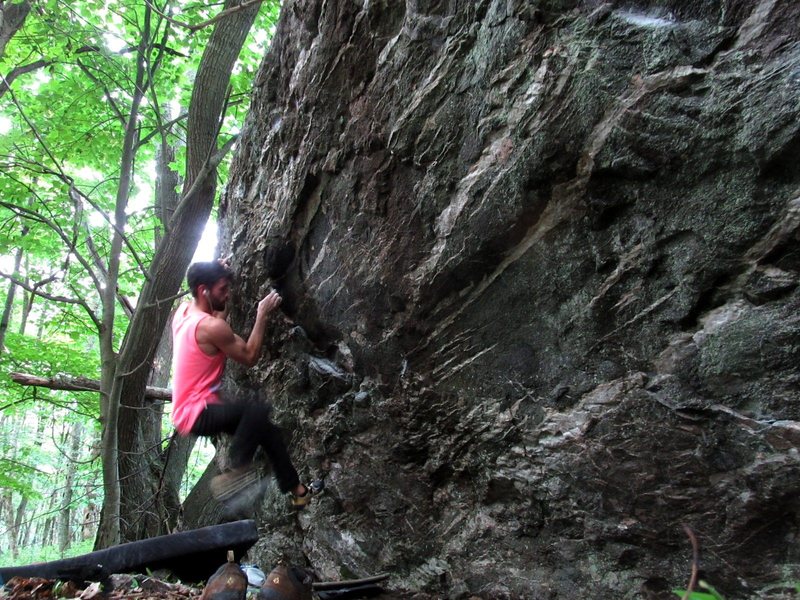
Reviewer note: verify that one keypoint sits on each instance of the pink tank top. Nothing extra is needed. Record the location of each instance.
(195, 374)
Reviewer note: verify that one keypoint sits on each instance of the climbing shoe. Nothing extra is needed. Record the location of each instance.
(228, 484)
(312, 489)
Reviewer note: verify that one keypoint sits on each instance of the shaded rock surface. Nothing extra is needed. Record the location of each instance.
(540, 272)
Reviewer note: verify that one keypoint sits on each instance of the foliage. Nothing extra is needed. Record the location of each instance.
(25, 455)
(30, 555)
(49, 355)
(202, 454)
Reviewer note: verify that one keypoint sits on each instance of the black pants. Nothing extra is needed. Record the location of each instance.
(250, 425)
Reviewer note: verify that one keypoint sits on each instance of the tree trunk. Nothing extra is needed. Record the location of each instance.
(65, 514)
(12, 18)
(8, 519)
(200, 509)
(9, 425)
(9, 304)
(27, 304)
(167, 183)
(22, 523)
(109, 531)
(172, 257)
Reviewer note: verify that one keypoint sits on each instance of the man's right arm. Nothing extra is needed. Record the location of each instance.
(220, 334)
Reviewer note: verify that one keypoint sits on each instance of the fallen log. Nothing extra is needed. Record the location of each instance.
(81, 384)
(190, 555)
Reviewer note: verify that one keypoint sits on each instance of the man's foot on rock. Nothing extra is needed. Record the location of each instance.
(314, 488)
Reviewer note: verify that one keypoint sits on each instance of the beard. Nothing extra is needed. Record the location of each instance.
(216, 304)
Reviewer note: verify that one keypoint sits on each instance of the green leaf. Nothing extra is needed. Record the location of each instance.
(711, 595)
(695, 595)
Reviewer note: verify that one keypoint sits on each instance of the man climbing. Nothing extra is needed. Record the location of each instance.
(202, 341)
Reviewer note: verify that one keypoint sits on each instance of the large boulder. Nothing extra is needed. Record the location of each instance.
(540, 266)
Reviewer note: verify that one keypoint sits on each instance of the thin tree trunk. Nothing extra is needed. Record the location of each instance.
(49, 527)
(40, 329)
(168, 466)
(91, 518)
(109, 531)
(65, 515)
(45, 420)
(9, 304)
(158, 505)
(8, 518)
(167, 182)
(2, 520)
(10, 424)
(27, 305)
(21, 524)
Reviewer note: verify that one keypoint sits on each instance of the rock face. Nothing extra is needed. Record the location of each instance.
(541, 264)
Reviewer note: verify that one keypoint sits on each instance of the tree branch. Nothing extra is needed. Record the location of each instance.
(5, 85)
(170, 300)
(160, 129)
(106, 92)
(75, 194)
(39, 64)
(80, 384)
(162, 47)
(30, 124)
(153, 65)
(52, 297)
(53, 224)
(207, 168)
(211, 21)
(33, 289)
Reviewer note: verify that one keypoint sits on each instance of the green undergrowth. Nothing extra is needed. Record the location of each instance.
(712, 594)
(30, 555)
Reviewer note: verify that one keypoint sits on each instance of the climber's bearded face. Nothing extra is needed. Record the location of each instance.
(218, 294)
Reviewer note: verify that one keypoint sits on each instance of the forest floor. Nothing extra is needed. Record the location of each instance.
(127, 587)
